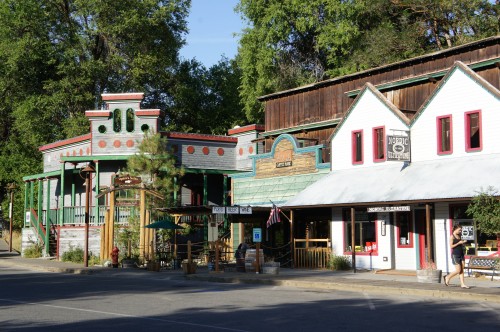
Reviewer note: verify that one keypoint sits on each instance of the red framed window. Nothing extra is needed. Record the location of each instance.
(378, 144)
(444, 134)
(473, 131)
(357, 147)
(404, 225)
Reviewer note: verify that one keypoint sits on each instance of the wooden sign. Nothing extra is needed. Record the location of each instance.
(127, 180)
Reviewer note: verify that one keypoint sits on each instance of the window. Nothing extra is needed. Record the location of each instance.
(378, 144)
(117, 121)
(405, 229)
(365, 231)
(473, 141)
(130, 120)
(444, 135)
(357, 147)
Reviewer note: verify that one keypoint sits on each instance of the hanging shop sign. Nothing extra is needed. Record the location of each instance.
(232, 209)
(127, 180)
(389, 209)
(398, 148)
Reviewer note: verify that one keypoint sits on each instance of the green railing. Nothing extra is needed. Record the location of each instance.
(75, 215)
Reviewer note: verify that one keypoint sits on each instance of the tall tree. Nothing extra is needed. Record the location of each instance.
(292, 42)
(58, 56)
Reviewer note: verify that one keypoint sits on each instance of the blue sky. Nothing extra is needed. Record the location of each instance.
(211, 25)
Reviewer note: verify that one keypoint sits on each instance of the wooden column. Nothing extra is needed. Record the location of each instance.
(111, 222)
(428, 231)
(353, 238)
(142, 216)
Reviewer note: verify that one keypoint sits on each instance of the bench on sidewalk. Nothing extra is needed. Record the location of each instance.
(483, 263)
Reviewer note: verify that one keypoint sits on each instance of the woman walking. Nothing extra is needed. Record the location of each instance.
(457, 256)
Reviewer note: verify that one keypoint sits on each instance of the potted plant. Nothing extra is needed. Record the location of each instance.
(428, 273)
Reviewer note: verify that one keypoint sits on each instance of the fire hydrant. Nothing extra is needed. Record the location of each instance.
(114, 257)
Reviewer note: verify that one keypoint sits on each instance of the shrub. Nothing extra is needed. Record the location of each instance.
(74, 255)
(33, 251)
(339, 263)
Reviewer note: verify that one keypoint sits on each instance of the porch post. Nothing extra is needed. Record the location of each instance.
(428, 231)
(292, 246)
(353, 238)
(224, 198)
(32, 194)
(47, 219)
(96, 192)
(25, 201)
(61, 196)
(205, 202)
(40, 202)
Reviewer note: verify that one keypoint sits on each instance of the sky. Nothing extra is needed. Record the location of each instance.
(211, 25)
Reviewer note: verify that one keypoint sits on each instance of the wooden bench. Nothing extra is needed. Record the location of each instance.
(483, 263)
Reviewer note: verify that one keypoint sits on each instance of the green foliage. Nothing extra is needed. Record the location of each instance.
(339, 263)
(155, 164)
(292, 42)
(33, 251)
(485, 209)
(129, 235)
(74, 255)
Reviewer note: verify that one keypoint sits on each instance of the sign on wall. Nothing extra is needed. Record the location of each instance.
(398, 148)
(468, 233)
(389, 208)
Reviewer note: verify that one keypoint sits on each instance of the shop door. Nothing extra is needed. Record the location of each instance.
(420, 226)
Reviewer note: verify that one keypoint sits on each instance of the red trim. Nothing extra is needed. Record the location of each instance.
(68, 141)
(467, 131)
(122, 96)
(375, 145)
(153, 112)
(439, 134)
(244, 129)
(354, 147)
(98, 114)
(200, 137)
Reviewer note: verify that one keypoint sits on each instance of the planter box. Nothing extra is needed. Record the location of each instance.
(271, 268)
(153, 266)
(429, 276)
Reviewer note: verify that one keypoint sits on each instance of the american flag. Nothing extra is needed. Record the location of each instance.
(274, 216)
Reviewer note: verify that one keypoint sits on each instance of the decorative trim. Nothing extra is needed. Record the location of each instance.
(200, 137)
(244, 129)
(58, 144)
(122, 96)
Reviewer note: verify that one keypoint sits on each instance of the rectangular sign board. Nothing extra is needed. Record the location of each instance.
(257, 235)
(389, 208)
(232, 209)
(398, 148)
(245, 210)
(218, 209)
(468, 233)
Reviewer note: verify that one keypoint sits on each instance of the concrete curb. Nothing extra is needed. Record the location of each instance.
(397, 288)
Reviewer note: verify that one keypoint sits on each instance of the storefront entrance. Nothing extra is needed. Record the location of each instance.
(422, 245)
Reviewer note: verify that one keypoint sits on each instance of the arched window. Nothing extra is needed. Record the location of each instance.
(117, 120)
(130, 120)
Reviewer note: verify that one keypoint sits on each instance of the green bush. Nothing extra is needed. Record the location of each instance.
(339, 263)
(33, 251)
(74, 255)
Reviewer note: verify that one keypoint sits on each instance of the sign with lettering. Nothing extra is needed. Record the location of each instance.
(245, 210)
(468, 233)
(127, 180)
(389, 209)
(398, 148)
(232, 210)
(218, 209)
(283, 158)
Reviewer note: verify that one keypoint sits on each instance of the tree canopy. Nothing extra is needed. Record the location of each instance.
(292, 42)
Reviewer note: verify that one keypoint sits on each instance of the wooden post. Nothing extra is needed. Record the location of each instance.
(111, 221)
(142, 217)
(353, 238)
(428, 231)
(217, 255)
(190, 259)
(292, 244)
(257, 259)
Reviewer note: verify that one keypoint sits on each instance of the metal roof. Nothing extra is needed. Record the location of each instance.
(442, 179)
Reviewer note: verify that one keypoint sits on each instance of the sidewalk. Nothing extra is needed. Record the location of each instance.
(382, 282)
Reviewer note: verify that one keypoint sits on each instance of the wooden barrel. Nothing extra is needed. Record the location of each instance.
(251, 260)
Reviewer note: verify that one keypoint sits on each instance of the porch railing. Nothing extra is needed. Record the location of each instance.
(312, 253)
(75, 215)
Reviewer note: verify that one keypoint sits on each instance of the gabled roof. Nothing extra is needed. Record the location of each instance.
(468, 72)
(65, 142)
(390, 106)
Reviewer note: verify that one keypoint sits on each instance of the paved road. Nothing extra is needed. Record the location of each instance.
(148, 301)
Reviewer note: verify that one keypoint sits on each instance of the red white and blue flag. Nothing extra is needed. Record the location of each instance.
(274, 216)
